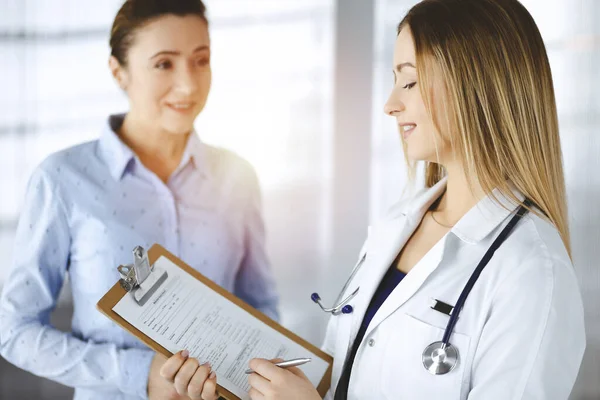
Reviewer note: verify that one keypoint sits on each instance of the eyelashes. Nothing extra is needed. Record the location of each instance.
(166, 64)
(163, 65)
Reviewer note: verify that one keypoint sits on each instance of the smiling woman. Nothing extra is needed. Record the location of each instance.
(166, 74)
(147, 179)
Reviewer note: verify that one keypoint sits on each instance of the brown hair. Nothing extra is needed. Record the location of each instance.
(134, 14)
(501, 111)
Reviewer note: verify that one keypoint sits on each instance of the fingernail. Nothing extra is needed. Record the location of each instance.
(212, 375)
(185, 354)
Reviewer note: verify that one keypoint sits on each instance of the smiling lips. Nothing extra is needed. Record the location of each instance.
(181, 107)
(407, 129)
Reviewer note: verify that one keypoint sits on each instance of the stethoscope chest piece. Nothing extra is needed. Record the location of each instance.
(439, 358)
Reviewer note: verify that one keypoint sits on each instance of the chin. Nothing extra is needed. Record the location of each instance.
(178, 127)
(425, 151)
(416, 155)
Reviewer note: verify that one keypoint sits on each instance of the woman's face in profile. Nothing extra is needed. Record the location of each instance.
(422, 140)
(168, 74)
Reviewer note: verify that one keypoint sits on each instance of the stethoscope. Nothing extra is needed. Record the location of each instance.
(439, 357)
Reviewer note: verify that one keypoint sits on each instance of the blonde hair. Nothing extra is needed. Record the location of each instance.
(499, 99)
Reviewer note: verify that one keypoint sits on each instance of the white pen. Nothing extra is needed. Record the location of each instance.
(287, 364)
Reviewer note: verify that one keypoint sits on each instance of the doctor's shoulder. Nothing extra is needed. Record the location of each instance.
(534, 318)
(535, 253)
(537, 244)
(538, 279)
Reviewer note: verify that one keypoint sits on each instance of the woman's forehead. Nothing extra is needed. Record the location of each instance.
(173, 32)
(404, 49)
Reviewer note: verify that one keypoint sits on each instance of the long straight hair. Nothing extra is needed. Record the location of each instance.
(499, 107)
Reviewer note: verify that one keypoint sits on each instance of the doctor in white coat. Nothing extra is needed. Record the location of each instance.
(474, 101)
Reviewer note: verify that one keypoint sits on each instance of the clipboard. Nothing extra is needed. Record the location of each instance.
(154, 277)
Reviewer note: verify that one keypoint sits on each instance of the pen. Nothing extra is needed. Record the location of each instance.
(287, 364)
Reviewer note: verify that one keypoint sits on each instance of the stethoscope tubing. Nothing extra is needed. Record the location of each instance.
(477, 272)
(335, 310)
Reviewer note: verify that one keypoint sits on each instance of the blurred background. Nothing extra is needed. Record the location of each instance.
(308, 115)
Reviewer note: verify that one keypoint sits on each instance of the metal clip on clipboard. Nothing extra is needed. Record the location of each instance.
(141, 278)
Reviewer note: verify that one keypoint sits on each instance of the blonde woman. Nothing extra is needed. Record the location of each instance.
(473, 100)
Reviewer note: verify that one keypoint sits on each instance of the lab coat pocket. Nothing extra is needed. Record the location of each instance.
(403, 374)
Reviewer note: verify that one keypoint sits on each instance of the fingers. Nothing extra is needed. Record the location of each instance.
(255, 394)
(210, 387)
(196, 382)
(265, 368)
(189, 378)
(259, 383)
(184, 375)
(294, 370)
(297, 371)
(172, 365)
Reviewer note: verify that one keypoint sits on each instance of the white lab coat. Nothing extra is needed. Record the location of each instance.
(520, 334)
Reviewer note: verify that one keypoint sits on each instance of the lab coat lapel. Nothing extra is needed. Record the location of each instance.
(388, 238)
(482, 219)
(409, 285)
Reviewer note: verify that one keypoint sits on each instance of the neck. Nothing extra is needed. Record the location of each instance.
(152, 145)
(459, 197)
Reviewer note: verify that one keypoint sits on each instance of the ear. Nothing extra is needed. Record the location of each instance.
(118, 72)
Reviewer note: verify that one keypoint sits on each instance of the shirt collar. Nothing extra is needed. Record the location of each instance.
(119, 156)
(479, 221)
(196, 152)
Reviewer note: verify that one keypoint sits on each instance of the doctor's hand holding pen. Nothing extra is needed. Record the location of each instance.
(269, 379)
(270, 382)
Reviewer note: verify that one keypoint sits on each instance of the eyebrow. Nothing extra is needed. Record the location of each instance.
(177, 53)
(406, 64)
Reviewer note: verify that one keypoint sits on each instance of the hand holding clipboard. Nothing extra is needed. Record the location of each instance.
(182, 309)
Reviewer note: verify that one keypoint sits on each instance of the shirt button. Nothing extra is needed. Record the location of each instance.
(371, 342)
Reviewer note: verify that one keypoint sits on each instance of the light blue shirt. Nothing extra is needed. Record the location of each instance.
(85, 210)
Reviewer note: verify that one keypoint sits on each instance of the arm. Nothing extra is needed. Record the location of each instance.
(255, 283)
(30, 294)
(533, 342)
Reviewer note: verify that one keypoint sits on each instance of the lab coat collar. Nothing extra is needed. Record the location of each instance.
(119, 157)
(418, 206)
(386, 239)
(486, 215)
(478, 222)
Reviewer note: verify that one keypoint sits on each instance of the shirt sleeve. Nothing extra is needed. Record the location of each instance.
(27, 339)
(255, 283)
(533, 341)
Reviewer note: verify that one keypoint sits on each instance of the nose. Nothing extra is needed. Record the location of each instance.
(394, 104)
(186, 81)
